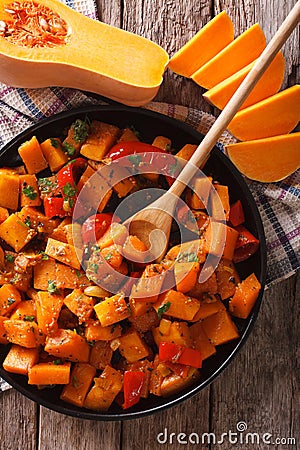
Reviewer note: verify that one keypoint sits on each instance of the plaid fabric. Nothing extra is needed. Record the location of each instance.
(278, 203)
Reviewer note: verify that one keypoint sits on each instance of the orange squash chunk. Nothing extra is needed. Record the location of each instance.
(238, 54)
(21, 333)
(46, 373)
(132, 346)
(105, 390)
(25, 311)
(186, 274)
(29, 191)
(81, 379)
(178, 305)
(54, 154)
(273, 116)
(32, 156)
(3, 339)
(267, 160)
(201, 341)
(245, 297)
(68, 344)
(94, 331)
(80, 304)
(219, 328)
(10, 297)
(268, 85)
(209, 41)
(20, 359)
(48, 307)
(9, 191)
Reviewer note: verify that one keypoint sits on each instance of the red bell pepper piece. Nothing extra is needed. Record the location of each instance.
(176, 353)
(54, 207)
(133, 383)
(236, 214)
(95, 227)
(246, 245)
(70, 172)
(130, 148)
(178, 369)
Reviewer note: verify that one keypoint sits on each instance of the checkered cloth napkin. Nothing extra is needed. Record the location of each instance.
(278, 203)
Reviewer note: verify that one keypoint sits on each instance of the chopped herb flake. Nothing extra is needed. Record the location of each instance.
(135, 159)
(52, 288)
(57, 362)
(9, 258)
(69, 190)
(10, 301)
(80, 131)
(29, 318)
(69, 149)
(54, 142)
(29, 192)
(163, 309)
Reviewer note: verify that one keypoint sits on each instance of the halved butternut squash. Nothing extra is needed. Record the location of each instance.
(269, 84)
(267, 160)
(273, 116)
(209, 41)
(103, 59)
(238, 54)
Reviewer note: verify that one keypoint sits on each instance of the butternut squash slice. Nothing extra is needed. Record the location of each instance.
(268, 85)
(238, 54)
(273, 116)
(209, 41)
(45, 43)
(267, 160)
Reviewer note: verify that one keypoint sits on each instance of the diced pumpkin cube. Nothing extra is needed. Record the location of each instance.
(201, 341)
(67, 277)
(80, 304)
(209, 304)
(48, 307)
(124, 187)
(10, 297)
(9, 191)
(38, 221)
(177, 332)
(197, 197)
(174, 383)
(100, 140)
(94, 331)
(32, 156)
(227, 278)
(22, 333)
(134, 249)
(15, 232)
(220, 239)
(25, 311)
(209, 286)
(245, 297)
(42, 273)
(128, 135)
(67, 344)
(105, 390)
(101, 354)
(192, 251)
(3, 338)
(52, 151)
(81, 379)
(29, 191)
(3, 211)
(178, 305)
(155, 378)
(146, 321)
(19, 359)
(219, 328)
(113, 255)
(186, 274)
(223, 194)
(47, 373)
(112, 310)
(65, 253)
(132, 346)
(87, 174)
(138, 308)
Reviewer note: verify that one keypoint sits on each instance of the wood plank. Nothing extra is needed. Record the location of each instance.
(156, 431)
(269, 15)
(71, 433)
(170, 24)
(18, 429)
(259, 388)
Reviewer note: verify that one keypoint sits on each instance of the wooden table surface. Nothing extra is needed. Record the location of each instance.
(261, 386)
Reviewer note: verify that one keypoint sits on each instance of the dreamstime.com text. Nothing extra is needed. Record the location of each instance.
(240, 436)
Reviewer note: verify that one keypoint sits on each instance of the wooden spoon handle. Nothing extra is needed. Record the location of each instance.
(237, 100)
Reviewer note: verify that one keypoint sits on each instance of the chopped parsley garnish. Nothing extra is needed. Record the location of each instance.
(27, 222)
(10, 301)
(29, 318)
(192, 257)
(135, 159)
(95, 268)
(78, 273)
(69, 148)
(45, 257)
(69, 190)
(9, 258)
(175, 168)
(46, 185)
(52, 288)
(29, 192)
(163, 309)
(80, 131)
(75, 382)
(54, 142)
(57, 362)
(108, 257)
(24, 224)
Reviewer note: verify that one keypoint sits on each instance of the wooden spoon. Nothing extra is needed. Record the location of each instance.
(153, 223)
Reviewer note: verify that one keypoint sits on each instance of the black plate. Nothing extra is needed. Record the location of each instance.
(150, 124)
